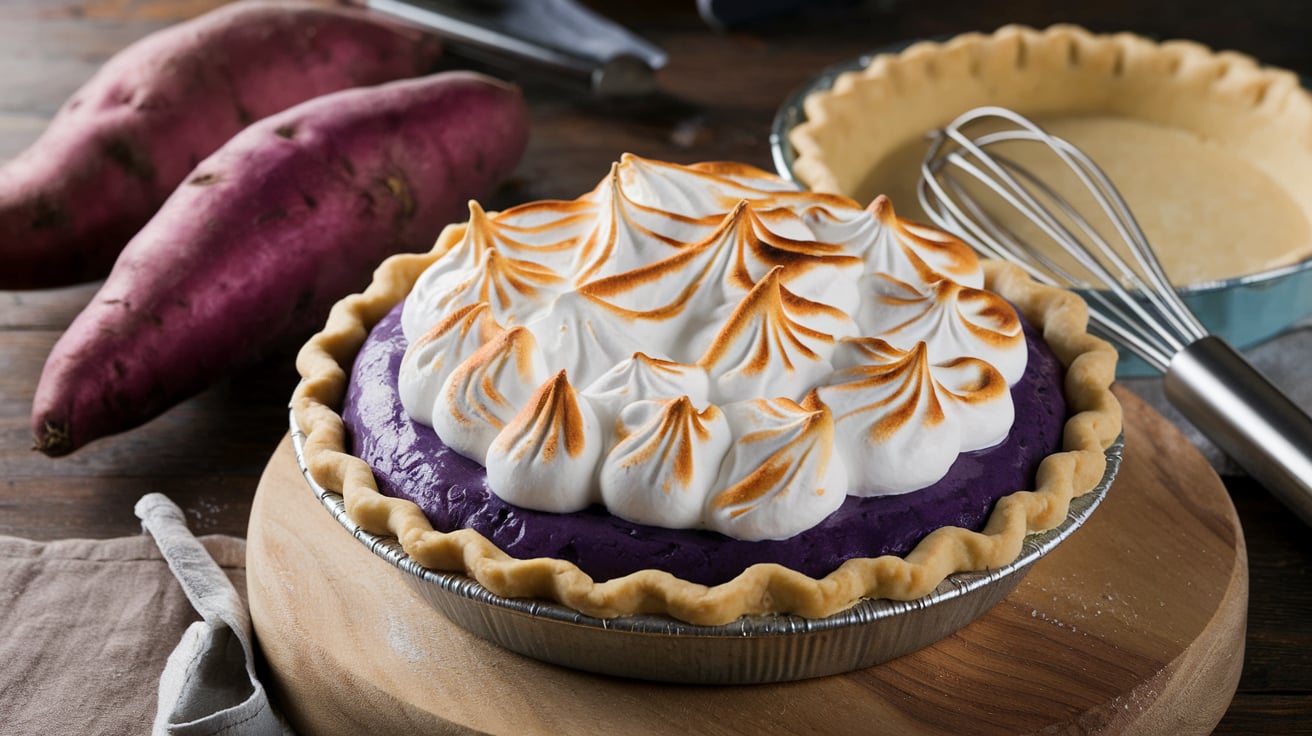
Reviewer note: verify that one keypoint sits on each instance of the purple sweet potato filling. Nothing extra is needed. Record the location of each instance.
(410, 462)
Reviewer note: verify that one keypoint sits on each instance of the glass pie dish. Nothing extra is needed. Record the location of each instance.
(1245, 310)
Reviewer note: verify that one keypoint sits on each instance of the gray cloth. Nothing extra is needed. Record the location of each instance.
(209, 685)
(1286, 360)
(87, 625)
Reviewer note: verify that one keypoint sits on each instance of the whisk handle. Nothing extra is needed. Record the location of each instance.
(1218, 390)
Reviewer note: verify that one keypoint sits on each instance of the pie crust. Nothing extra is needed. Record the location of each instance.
(1209, 148)
(1094, 423)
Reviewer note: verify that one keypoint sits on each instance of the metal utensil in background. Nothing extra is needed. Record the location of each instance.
(1211, 383)
(567, 41)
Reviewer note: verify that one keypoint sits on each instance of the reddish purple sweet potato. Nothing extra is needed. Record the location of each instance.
(251, 252)
(128, 137)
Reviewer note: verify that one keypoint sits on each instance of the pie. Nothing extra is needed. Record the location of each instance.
(698, 391)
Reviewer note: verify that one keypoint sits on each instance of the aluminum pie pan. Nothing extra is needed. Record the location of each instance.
(751, 650)
(1245, 310)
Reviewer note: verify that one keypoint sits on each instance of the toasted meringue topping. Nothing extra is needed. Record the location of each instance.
(435, 354)
(644, 377)
(697, 305)
(543, 232)
(700, 190)
(954, 320)
(976, 395)
(910, 251)
(585, 337)
(486, 390)
(767, 346)
(902, 421)
(626, 234)
(477, 270)
(545, 456)
(666, 461)
(781, 475)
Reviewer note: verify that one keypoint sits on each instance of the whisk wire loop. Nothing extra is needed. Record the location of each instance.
(1137, 307)
(1207, 380)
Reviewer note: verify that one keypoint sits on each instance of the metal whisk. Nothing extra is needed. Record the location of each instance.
(1211, 383)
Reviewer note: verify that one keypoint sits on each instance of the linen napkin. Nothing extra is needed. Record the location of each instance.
(100, 635)
(209, 685)
(87, 625)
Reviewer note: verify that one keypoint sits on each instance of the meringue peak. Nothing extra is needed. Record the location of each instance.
(627, 234)
(698, 190)
(472, 320)
(774, 343)
(781, 475)
(486, 390)
(666, 460)
(550, 419)
(545, 456)
(544, 232)
(429, 360)
(928, 250)
(762, 318)
(954, 320)
(675, 429)
(476, 269)
(899, 388)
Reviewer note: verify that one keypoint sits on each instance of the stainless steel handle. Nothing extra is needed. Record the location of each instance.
(1250, 419)
(565, 40)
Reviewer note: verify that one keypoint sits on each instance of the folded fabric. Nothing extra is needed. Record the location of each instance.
(88, 625)
(209, 685)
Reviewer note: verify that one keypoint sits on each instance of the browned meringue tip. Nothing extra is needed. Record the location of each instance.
(882, 208)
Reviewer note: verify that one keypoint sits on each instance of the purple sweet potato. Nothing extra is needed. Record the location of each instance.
(122, 143)
(264, 236)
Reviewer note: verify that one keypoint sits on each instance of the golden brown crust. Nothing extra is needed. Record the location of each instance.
(1094, 424)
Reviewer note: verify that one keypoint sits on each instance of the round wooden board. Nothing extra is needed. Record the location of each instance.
(1135, 624)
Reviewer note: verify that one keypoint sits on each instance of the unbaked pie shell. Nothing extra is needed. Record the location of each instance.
(1229, 159)
(1094, 423)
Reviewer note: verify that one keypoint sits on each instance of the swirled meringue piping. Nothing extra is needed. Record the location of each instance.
(781, 475)
(434, 356)
(769, 346)
(545, 456)
(697, 279)
(626, 234)
(665, 462)
(544, 232)
(587, 337)
(910, 251)
(976, 395)
(685, 289)
(486, 391)
(892, 427)
(475, 270)
(697, 190)
(955, 321)
(967, 392)
(644, 377)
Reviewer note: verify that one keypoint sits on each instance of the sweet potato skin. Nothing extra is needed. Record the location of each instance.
(254, 248)
(121, 144)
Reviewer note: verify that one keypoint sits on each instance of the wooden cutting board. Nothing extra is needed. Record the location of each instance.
(1135, 624)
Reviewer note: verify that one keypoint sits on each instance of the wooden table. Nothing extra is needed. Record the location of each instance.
(721, 91)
